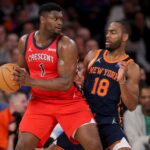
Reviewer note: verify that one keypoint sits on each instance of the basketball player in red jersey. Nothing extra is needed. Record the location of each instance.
(51, 59)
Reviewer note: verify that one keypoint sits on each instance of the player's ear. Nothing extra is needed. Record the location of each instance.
(125, 37)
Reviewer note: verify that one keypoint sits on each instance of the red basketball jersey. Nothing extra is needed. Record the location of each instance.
(42, 64)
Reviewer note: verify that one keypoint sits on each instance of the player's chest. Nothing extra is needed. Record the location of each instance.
(102, 68)
(39, 59)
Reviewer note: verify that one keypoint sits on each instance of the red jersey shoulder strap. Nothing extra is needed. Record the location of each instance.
(55, 42)
(28, 42)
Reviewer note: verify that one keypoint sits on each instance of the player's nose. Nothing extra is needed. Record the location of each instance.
(59, 22)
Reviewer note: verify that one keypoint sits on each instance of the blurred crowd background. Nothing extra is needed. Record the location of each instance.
(85, 22)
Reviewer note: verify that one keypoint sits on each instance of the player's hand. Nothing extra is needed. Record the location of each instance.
(79, 78)
(122, 72)
(21, 76)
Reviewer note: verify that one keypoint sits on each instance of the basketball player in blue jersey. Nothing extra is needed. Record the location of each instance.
(111, 86)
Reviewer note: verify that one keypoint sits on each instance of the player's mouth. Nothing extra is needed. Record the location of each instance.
(59, 28)
(107, 43)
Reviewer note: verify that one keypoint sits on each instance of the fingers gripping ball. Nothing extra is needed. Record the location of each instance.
(6, 82)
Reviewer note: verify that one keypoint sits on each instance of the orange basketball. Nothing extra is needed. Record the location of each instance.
(6, 82)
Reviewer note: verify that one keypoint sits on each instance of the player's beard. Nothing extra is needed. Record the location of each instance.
(114, 46)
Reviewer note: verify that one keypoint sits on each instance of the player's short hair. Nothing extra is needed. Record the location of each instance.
(125, 26)
(48, 7)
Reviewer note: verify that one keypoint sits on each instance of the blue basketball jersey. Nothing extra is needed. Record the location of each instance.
(102, 89)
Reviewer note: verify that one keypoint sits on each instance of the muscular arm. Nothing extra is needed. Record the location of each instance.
(67, 63)
(130, 89)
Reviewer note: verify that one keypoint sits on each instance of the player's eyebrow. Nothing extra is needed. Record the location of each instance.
(109, 30)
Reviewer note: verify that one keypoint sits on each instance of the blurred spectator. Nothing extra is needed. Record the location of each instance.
(91, 44)
(21, 16)
(137, 122)
(76, 24)
(81, 47)
(116, 12)
(143, 74)
(28, 27)
(145, 5)
(12, 41)
(4, 53)
(142, 77)
(84, 33)
(129, 8)
(122, 11)
(140, 34)
(32, 9)
(14, 54)
(7, 8)
(9, 122)
(68, 30)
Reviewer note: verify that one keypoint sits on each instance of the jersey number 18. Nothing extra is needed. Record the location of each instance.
(100, 87)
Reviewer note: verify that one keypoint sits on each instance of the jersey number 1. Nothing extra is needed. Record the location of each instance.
(42, 69)
(101, 88)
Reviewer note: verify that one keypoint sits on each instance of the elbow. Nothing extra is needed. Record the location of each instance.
(132, 107)
(67, 85)
(66, 88)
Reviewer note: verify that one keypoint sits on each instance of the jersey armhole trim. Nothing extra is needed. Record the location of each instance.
(94, 59)
(26, 45)
(129, 61)
(59, 38)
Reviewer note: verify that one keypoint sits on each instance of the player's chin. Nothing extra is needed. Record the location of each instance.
(58, 31)
(107, 47)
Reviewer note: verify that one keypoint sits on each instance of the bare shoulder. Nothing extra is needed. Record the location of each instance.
(23, 38)
(91, 54)
(133, 70)
(89, 57)
(67, 47)
(22, 41)
(66, 41)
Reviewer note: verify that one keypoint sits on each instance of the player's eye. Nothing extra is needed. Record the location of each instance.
(55, 19)
(113, 32)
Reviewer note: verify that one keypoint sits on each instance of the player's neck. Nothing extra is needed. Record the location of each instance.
(116, 54)
(45, 36)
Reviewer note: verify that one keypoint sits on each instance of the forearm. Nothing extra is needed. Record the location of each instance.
(129, 98)
(61, 84)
